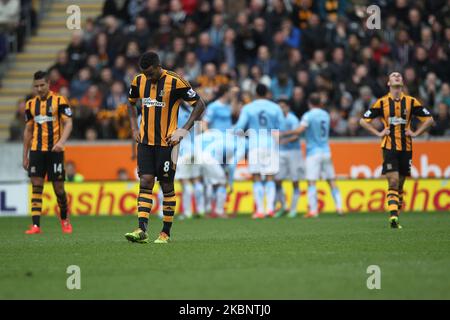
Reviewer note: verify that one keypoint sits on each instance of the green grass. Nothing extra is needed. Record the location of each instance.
(324, 258)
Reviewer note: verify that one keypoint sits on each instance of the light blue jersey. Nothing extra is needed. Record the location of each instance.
(218, 116)
(228, 149)
(290, 122)
(317, 133)
(260, 116)
(186, 144)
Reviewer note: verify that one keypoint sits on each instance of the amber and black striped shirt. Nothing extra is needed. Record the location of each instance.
(47, 115)
(159, 104)
(396, 115)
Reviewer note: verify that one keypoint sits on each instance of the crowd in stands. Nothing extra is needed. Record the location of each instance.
(15, 16)
(295, 47)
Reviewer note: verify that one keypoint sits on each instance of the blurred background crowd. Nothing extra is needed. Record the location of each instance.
(295, 47)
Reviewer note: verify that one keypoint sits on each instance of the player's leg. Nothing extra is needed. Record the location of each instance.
(295, 165)
(36, 172)
(146, 158)
(280, 197)
(160, 200)
(392, 198)
(312, 175)
(258, 194)
(187, 194)
(404, 172)
(391, 170)
(215, 176)
(36, 205)
(329, 175)
(270, 191)
(281, 175)
(165, 168)
(401, 183)
(169, 204)
(56, 174)
(336, 193)
(269, 159)
(294, 200)
(199, 193)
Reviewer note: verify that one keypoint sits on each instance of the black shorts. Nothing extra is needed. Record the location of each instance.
(48, 163)
(156, 161)
(399, 161)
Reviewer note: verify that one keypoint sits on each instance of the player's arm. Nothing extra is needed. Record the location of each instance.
(185, 92)
(66, 115)
(366, 121)
(294, 133)
(424, 115)
(207, 118)
(288, 139)
(133, 96)
(27, 137)
(242, 122)
(196, 114)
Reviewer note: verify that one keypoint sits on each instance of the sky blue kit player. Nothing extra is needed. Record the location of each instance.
(259, 118)
(218, 116)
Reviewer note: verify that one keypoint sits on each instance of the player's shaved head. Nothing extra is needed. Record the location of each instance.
(261, 90)
(149, 59)
(150, 65)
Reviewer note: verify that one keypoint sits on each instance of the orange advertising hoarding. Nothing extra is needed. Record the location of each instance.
(119, 198)
(351, 159)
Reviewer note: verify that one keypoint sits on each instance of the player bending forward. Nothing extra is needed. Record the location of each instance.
(316, 125)
(396, 110)
(161, 92)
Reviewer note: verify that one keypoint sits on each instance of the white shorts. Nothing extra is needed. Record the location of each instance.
(319, 166)
(292, 166)
(186, 169)
(263, 161)
(213, 174)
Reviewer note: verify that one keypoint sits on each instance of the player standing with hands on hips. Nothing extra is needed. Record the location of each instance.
(396, 110)
(48, 125)
(161, 92)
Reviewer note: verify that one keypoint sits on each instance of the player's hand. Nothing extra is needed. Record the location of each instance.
(136, 135)
(58, 147)
(410, 133)
(26, 163)
(175, 138)
(385, 132)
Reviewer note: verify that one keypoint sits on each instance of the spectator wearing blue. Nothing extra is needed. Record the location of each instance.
(206, 53)
(265, 61)
(292, 34)
(116, 96)
(80, 85)
(218, 113)
(217, 30)
(282, 86)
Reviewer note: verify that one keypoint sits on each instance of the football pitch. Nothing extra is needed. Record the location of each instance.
(324, 258)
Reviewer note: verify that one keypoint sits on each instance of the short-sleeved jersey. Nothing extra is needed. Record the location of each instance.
(159, 104)
(47, 116)
(290, 122)
(260, 116)
(184, 112)
(396, 115)
(317, 122)
(218, 116)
